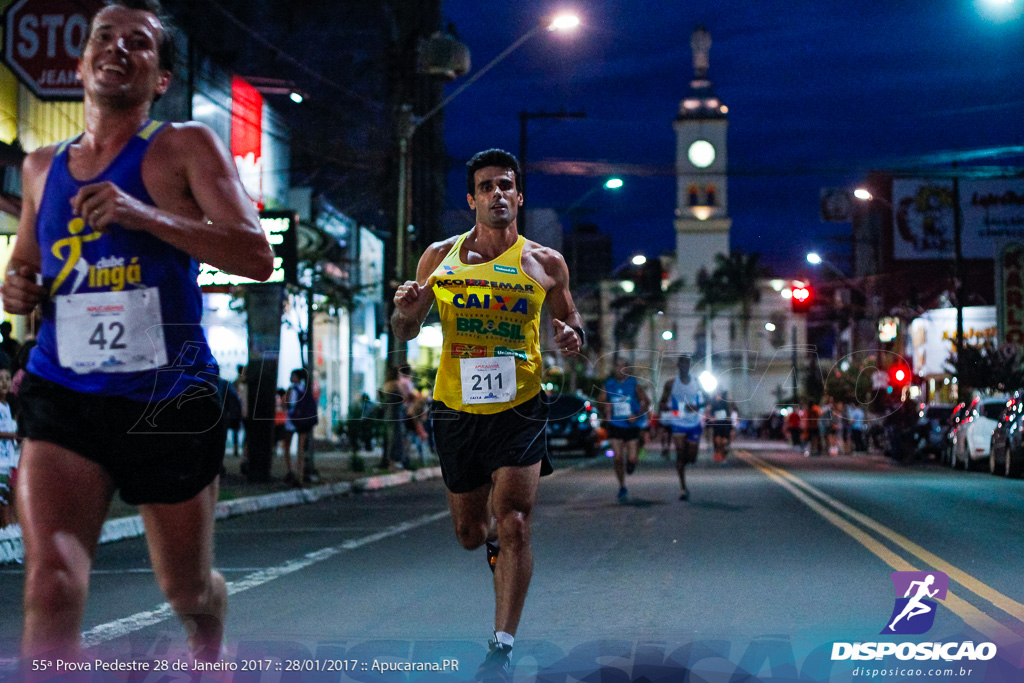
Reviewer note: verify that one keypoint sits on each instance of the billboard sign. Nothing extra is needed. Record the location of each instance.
(990, 210)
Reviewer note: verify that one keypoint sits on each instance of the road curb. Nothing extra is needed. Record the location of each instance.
(12, 550)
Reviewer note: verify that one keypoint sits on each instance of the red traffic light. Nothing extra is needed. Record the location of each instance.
(900, 374)
(801, 299)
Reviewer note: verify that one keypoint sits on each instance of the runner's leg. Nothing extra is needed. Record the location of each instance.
(631, 451)
(515, 491)
(471, 516)
(180, 539)
(620, 465)
(682, 453)
(63, 499)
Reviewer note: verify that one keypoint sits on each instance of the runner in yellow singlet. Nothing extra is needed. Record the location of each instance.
(488, 414)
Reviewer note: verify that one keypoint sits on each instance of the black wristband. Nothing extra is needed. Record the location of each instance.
(582, 335)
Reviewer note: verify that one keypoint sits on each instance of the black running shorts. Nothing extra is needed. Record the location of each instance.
(164, 454)
(721, 431)
(471, 447)
(623, 433)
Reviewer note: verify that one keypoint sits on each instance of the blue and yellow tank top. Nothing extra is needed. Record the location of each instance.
(488, 311)
(123, 315)
(624, 401)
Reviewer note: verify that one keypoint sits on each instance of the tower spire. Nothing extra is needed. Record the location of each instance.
(700, 43)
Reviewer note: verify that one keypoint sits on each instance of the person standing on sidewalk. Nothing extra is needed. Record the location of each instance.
(121, 391)
(488, 413)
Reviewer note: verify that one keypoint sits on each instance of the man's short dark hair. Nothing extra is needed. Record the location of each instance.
(491, 157)
(167, 49)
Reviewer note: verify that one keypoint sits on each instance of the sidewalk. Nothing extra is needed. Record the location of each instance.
(239, 496)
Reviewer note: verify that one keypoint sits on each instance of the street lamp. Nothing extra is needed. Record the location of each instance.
(609, 184)
(958, 256)
(409, 123)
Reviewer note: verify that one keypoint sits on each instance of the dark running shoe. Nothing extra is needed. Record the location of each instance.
(492, 554)
(630, 467)
(684, 495)
(496, 666)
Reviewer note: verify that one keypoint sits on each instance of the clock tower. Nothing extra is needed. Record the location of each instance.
(702, 199)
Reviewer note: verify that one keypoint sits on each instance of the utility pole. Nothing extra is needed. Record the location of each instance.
(958, 268)
(524, 118)
(796, 378)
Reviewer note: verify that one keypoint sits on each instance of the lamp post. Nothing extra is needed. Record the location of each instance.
(609, 184)
(524, 118)
(958, 256)
(409, 123)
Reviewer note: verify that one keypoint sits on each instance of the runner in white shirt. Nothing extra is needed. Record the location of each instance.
(682, 407)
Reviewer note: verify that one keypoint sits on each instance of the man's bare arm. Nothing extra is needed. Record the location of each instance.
(227, 236)
(666, 393)
(414, 298)
(567, 322)
(20, 292)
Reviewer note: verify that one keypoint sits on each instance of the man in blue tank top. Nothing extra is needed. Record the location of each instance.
(122, 391)
(624, 403)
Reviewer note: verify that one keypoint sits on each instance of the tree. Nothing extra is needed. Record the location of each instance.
(988, 367)
(639, 306)
(733, 282)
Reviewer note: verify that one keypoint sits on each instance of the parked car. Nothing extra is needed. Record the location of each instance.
(973, 436)
(573, 426)
(1006, 452)
(931, 428)
(955, 418)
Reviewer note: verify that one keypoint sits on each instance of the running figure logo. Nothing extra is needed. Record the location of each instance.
(914, 612)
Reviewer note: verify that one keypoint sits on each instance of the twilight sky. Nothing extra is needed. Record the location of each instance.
(819, 92)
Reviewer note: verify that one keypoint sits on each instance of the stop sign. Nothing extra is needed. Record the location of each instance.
(43, 40)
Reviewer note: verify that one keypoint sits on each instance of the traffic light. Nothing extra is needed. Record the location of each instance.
(650, 277)
(801, 299)
(900, 374)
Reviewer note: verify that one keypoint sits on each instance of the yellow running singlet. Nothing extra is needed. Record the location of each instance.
(490, 320)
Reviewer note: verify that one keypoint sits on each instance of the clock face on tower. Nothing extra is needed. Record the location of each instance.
(701, 153)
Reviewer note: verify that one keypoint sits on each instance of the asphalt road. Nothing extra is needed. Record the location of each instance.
(774, 558)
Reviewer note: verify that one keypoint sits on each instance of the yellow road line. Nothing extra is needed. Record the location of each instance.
(974, 617)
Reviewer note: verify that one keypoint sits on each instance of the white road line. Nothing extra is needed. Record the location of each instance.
(136, 622)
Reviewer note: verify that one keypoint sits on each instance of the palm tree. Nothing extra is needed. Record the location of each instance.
(734, 282)
(639, 306)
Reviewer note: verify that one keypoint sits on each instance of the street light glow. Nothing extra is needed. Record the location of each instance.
(639, 260)
(708, 382)
(564, 22)
(296, 97)
(770, 327)
(814, 259)
(787, 293)
(666, 335)
(627, 286)
(862, 194)
(613, 183)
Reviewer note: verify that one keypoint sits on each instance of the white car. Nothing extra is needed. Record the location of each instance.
(973, 436)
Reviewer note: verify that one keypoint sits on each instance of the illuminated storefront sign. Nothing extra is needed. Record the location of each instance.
(280, 227)
(247, 136)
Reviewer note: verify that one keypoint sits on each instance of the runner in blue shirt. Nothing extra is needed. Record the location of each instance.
(121, 391)
(624, 403)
